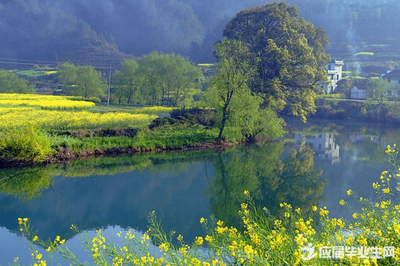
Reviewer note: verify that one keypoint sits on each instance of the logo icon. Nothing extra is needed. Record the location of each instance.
(308, 253)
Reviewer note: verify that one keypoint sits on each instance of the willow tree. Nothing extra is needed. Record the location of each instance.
(239, 109)
(291, 54)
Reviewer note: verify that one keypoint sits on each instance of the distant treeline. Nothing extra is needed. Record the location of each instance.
(154, 79)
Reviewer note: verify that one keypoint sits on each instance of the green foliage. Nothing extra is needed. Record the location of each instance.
(238, 108)
(344, 86)
(82, 81)
(11, 83)
(377, 90)
(167, 78)
(24, 144)
(291, 55)
(127, 81)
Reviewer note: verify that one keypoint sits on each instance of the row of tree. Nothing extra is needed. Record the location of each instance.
(154, 79)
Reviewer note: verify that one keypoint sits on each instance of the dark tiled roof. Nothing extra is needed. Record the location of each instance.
(361, 84)
(394, 75)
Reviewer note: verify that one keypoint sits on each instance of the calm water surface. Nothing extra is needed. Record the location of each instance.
(313, 165)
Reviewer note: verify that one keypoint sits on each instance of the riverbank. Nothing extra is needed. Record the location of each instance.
(71, 146)
(362, 111)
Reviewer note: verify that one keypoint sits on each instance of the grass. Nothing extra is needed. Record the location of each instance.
(36, 73)
(145, 140)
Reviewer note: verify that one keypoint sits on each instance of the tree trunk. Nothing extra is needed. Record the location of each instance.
(223, 122)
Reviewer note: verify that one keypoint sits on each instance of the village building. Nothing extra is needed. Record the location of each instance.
(359, 90)
(392, 76)
(334, 72)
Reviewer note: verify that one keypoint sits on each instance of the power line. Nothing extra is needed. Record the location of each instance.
(16, 61)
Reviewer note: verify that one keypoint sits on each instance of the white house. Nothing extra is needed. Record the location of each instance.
(358, 93)
(334, 72)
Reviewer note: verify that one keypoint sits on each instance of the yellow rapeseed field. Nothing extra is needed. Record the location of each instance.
(60, 113)
(43, 101)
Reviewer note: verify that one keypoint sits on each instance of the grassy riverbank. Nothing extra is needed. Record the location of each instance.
(368, 111)
(46, 129)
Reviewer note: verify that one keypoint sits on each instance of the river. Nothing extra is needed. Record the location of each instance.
(314, 164)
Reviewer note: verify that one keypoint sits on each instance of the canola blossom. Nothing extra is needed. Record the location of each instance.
(44, 101)
(70, 120)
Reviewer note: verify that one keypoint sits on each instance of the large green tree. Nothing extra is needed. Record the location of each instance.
(291, 52)
(11, 83)
(82, 81)
(238, 108)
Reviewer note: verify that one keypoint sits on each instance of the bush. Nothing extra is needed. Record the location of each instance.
(24, 144)
(205, 117)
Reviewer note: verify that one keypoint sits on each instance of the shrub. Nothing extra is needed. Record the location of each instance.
(24, 144)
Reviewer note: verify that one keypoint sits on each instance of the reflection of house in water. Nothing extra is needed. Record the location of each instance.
(324, 146)
(362, 138)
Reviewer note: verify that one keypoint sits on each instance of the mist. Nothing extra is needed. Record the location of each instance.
(67, 30)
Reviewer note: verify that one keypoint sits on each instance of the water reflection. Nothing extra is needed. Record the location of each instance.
(323, 144)
(314, 165)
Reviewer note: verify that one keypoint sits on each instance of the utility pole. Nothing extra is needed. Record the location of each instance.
(109, 88)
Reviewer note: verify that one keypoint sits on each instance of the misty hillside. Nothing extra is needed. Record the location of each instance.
(88, 31)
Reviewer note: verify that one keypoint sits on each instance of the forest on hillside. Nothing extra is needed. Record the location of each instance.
(99, 32)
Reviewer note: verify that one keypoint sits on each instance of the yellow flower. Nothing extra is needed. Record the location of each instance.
(48, 249)
(386, 190)
(287, 215)
(220, 223)
(349, 192)
(314, 208)
(38, 256)
(209, 238)
(355, 215)
(62, 241)
(180, 238)
(246, 193)
(342, 202)
(35, 238)
(199, 241)
(164, 247)
(203, 220)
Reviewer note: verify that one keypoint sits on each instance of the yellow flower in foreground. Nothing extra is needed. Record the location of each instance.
(35, 238)
(314, 208)
(220, 223)
(203, 220)
(199, 241)
(180, 238)
(349, 192)
(386, 190)
(342, 202)
(164, 247)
